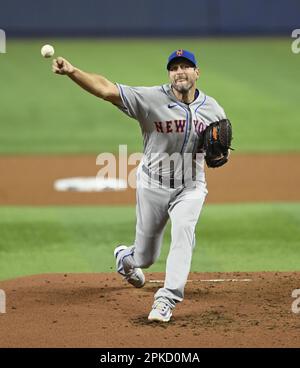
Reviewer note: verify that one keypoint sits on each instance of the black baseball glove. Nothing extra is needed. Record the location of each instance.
(216, 143)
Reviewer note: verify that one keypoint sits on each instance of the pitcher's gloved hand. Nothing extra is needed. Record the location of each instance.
(216, 143)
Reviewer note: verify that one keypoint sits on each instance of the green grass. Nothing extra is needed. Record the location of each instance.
(256, 80)
(244, 237)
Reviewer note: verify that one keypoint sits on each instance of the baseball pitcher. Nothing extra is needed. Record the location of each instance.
(182, 129)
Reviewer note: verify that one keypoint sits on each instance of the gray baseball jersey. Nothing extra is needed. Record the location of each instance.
(168, 127)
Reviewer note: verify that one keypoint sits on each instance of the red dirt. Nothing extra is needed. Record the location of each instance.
(28, 180)
(100, 310)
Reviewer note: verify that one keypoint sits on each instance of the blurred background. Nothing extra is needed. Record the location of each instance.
(51, 129)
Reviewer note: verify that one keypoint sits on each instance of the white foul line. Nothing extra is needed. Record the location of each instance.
(208, 280)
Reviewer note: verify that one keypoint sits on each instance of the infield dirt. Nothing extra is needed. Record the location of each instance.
(29, 180)
(100, 310)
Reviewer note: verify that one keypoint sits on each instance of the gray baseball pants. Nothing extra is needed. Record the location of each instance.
(155, 205)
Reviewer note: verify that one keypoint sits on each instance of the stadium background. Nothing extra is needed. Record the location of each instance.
(49, 125)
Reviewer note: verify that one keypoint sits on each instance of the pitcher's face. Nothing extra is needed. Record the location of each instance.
(183, 75)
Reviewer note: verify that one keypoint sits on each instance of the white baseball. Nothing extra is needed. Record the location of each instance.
(47, 51)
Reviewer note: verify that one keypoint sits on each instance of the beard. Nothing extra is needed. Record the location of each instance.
(182, 87)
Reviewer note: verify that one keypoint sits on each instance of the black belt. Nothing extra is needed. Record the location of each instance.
(170, 180)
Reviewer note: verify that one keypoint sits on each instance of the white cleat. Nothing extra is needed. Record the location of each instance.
(161, 312)
(135, 276)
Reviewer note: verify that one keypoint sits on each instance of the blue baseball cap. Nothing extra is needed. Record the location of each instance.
(178, 54)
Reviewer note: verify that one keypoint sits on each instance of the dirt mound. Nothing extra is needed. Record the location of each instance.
(100, 310)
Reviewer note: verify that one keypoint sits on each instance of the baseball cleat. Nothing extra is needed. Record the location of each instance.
(161, 312)
(134, 276)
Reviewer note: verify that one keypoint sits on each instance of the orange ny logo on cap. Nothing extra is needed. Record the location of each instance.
(179, 52)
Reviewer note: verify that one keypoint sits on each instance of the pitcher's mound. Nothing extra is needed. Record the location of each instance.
(100, 310)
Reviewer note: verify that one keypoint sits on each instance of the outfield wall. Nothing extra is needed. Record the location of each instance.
(149, 18)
